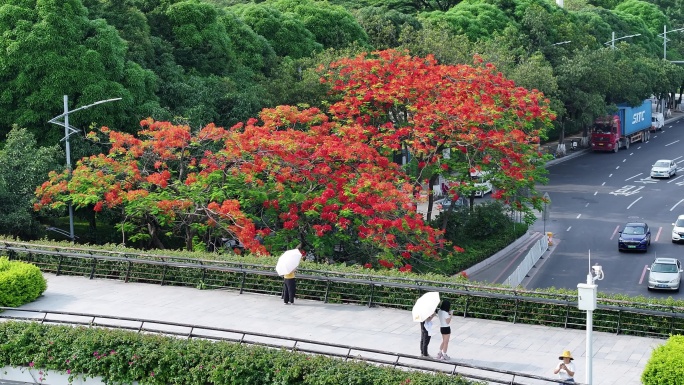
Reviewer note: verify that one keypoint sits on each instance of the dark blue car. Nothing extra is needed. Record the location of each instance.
(635, 236)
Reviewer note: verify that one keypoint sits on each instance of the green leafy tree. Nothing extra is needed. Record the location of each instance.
(332, 25)
(50, 49)
(475, 20)
(385, 27)
(284, 31)
(23, 167)
(647, 12)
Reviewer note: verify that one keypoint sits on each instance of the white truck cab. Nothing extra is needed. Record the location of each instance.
(657, 121)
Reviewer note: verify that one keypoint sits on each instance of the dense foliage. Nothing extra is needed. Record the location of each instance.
(126, 357)
(20, 283)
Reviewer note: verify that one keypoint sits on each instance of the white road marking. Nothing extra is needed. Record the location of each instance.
(631, 153)
(610, 175)
(624, 160)
(637, 200)
(569, 228)
(616, 168)
(579, 215)
(672, 180)
(603, 184)
(587, 205)
(615, 232)
(595, 192)
(676, 204)
(632, 177)
(627, 190)
(658, 235)
(669, 144)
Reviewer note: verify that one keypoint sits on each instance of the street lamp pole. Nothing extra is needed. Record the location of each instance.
(613, 39)
(664, 36)
(586, 300)
(68, 131)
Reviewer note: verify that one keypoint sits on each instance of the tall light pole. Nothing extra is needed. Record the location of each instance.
(586, 300)
(613, 39)
(68, 131)
(664, 36)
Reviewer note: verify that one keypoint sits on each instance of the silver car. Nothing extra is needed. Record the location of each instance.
(665, 274)
(664, 168)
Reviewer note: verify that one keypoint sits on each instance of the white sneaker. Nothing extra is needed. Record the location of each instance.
(445, 357)
(439, 356)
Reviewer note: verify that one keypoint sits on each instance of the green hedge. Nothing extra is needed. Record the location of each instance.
(20, 283)
(665, 365)
(122, 357)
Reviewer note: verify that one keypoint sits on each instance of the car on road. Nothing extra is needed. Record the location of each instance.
(665, 274)
(678, 230)
(482, 183)
(664, 168)
(445, 203)
(635, 236)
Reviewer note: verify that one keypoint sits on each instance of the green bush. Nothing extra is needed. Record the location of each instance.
(122, 357)
(20, 283)
(665, 365)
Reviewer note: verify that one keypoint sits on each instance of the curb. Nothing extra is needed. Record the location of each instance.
(501, 254)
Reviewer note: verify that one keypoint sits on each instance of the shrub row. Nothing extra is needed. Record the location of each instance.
(124, 357)
(20, 283)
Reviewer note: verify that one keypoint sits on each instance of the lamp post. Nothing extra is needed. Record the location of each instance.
(68, 131)
(586, 300)
(664, 36)
(613, 39)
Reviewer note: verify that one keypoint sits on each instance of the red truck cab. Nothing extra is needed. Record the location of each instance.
(605, 134)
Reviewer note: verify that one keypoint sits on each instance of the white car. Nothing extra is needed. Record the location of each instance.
(665, 273)
(484, 186)
(664, 168)
(678, 230)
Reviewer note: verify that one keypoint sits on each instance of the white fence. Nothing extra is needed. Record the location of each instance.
(528, 263)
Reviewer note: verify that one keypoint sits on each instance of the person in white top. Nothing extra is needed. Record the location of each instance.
(565, 369)
(444, 315)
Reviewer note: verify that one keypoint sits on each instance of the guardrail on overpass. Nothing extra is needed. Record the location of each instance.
(494, 303)
(536, 251)
(346, 352)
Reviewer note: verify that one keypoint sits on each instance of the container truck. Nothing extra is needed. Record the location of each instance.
(629, 125)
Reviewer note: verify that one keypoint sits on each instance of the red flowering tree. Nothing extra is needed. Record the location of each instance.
(287, 177)
(454, 120)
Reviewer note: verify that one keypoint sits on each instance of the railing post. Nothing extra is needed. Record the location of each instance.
(242, 281)
(92, 269)
(672, 320)
(515, 312)
(327, 290)
(619, 323)
(128, 271)
(370, 300)
(163, 275)
(59, 265)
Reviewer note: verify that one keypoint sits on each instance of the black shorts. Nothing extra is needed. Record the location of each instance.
(445, 330)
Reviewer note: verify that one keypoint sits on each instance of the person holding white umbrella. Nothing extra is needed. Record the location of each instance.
(286, 266)
(423, 311)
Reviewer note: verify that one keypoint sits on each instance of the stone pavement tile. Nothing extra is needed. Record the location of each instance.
(524, 348)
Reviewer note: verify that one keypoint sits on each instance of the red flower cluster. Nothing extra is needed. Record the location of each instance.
(386, 263)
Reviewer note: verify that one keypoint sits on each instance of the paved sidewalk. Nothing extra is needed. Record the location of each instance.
(520, 348)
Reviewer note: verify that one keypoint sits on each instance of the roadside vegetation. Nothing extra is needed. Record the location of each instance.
(268, 124)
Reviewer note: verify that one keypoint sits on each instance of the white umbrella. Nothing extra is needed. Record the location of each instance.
(425, 306)
(288, 262)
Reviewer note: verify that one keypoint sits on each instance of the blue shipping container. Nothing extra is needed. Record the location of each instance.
(634, 119)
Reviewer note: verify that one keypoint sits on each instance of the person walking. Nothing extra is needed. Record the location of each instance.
(425, 335)
(289, 283)
(445, 313)
(565, 368)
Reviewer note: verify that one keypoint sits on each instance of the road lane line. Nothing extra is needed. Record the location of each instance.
(658, 235)
(624, 160)
(615, 232)
(569, 228)
(672, 180)
(595, 192)
(632, 177)
(578, 215)
(677, 158)
(669, 144)
(637, 200)
(676, 204)
(643, 274)
(603, 184)
(587, 205)
(617, 168)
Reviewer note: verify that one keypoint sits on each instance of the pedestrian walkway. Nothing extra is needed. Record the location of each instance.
(521, 348)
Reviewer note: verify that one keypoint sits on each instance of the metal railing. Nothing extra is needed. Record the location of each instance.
(494, 303)
(346, 352)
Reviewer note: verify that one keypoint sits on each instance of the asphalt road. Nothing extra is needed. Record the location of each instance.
(593, 196)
